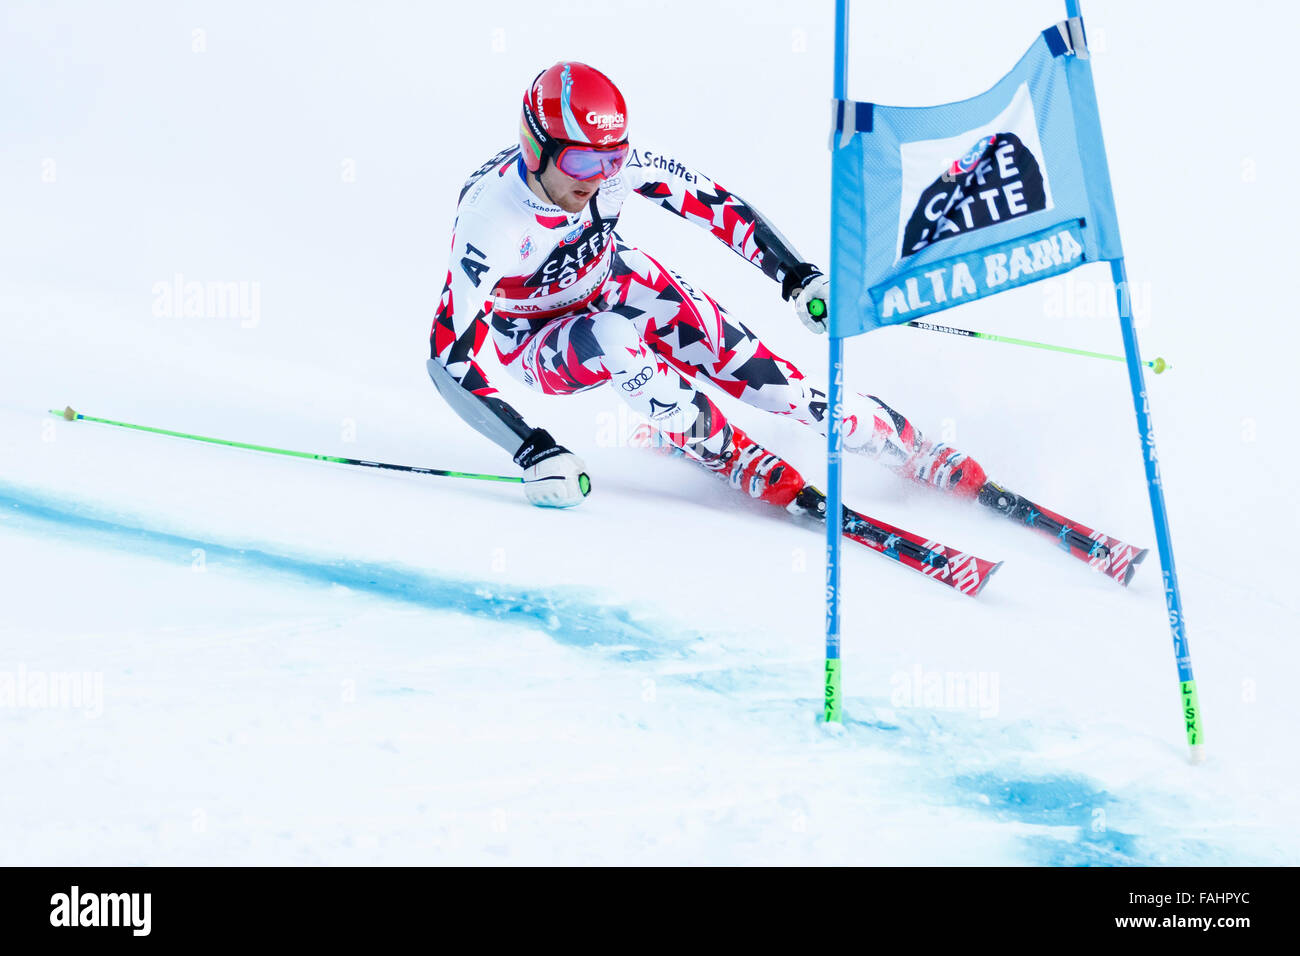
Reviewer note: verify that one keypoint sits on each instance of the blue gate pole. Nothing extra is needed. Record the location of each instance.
(835, 403)
(1159, 516)
(1155, 490)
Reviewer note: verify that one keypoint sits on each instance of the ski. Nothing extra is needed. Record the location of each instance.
(1111, 556)
(960, 570)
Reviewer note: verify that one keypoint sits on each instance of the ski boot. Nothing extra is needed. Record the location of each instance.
(944, 467)
(751, 468)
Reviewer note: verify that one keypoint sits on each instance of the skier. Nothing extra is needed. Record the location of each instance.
(537, 266)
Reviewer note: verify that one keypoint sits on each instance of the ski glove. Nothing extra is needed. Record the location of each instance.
(554, 477)
(811, 293)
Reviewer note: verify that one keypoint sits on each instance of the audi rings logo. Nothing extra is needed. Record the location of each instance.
(638, 380)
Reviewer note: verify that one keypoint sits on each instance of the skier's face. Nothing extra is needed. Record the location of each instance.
(570, 194)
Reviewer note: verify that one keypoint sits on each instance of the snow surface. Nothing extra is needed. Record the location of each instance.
(306, 663)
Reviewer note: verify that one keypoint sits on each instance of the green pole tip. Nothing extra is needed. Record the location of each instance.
(1159, 365)
(584, 484)
(817, 308)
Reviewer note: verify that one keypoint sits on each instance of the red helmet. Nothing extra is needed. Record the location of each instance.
(573, 114)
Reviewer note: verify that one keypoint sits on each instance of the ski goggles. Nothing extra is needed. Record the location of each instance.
(591, 162)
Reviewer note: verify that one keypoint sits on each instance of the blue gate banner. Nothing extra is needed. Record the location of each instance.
(940, 205)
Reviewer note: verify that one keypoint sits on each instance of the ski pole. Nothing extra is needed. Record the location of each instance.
(1157, 365)
(68, 414)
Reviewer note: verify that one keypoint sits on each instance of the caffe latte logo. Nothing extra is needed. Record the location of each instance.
(996, 180)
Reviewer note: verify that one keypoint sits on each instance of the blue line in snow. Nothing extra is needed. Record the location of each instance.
(566, 615)
(1072, 805)
(1082, 823)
